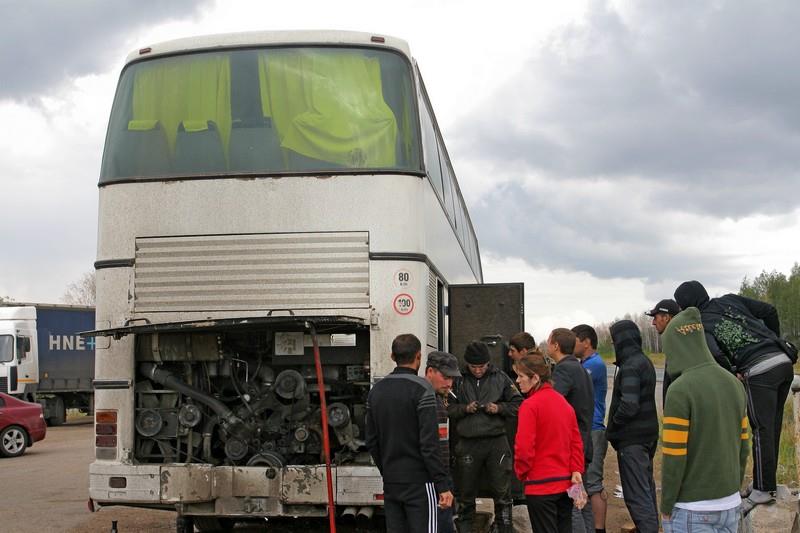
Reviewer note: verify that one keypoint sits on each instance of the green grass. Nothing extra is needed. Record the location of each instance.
(787, 465)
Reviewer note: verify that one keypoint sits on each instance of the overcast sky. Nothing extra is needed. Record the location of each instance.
(607, 150)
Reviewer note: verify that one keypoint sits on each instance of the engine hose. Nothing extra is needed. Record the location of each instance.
(232, 423)
(208, 430)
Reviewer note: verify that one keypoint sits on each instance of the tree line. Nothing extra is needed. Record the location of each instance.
(783, 292)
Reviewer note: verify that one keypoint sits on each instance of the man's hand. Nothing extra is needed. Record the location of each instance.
(576, 478)
(492, 408)
(472, 407)
(446, 500)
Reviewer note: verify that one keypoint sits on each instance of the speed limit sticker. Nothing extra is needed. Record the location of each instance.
(402, 278)
(403, 304)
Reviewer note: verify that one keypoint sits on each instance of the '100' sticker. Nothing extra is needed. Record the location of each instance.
(403, 304)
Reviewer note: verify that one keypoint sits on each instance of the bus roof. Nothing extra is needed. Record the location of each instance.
(262, 38)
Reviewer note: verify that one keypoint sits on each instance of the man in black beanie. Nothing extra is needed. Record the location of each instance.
(485, 399)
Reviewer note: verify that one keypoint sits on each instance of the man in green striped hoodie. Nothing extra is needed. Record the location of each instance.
(705, 439)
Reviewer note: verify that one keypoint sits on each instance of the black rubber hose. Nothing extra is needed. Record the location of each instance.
(232, 423)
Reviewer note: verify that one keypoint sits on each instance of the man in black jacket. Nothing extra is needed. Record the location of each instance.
(744, 336)
(633, 424)
(402, 437)
(485, 400)
(572, 381)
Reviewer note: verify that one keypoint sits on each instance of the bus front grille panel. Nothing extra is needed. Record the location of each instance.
(252, 272)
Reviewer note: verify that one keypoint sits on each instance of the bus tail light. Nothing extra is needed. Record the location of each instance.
(105, 430)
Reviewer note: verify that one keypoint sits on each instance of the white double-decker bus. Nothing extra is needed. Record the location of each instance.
(258, 192)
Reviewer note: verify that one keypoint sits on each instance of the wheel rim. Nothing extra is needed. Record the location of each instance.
(13, 441)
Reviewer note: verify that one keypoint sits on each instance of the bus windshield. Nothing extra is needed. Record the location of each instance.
(263, 111)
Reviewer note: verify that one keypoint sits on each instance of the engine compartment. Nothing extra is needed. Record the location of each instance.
(249, 397)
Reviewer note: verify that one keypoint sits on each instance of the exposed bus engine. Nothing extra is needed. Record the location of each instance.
(248, 398)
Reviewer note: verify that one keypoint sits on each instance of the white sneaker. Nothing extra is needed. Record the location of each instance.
(757, 497)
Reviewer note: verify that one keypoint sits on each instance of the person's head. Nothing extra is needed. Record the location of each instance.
(440, 370)
(561, 342)
(585, 340)
(520, 344)
(627, 339)
(532, 371)
(407, 351)
(691, 294)
(662, 313)
(476, 355)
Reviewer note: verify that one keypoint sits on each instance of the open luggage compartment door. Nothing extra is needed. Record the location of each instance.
(491, 312)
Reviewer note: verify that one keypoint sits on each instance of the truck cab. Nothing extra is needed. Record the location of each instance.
(19, 364)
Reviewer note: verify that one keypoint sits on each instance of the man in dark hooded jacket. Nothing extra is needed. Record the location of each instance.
(743, 335)
(633, 425)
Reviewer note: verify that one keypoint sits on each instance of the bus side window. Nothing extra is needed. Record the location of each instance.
(449, 185)
(431, 151)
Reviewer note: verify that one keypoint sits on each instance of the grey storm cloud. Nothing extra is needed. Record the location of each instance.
(557, 232)
(699, 96)
(45, 41)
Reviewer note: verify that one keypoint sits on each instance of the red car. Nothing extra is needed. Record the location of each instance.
(21, 424)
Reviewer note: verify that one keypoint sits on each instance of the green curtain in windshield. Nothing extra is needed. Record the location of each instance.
(192, 90)
(328, 105)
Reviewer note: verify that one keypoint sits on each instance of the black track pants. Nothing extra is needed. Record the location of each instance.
(766, 396)
(410, 507)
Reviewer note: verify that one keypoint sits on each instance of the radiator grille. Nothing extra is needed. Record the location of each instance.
(4, 385)
(252, 272)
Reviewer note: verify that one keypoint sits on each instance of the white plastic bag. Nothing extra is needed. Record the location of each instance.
(578, 495)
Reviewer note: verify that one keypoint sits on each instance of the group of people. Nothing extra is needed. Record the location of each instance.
(546, 425)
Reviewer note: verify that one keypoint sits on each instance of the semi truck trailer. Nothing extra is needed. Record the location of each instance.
(44, 359)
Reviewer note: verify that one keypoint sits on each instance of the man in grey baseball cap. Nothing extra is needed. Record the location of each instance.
(440, 370)
(444, 362)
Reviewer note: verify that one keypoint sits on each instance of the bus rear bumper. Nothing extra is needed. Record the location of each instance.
(201, 489)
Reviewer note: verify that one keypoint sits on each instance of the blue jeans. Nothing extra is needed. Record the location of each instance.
(684, 521)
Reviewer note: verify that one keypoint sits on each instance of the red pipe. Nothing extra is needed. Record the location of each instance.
(326, 443)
